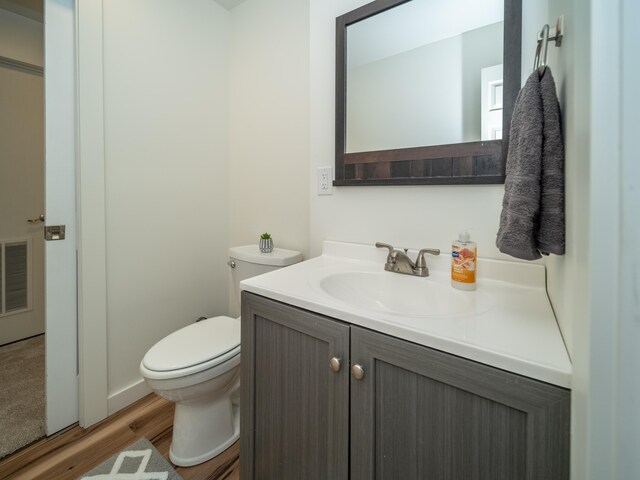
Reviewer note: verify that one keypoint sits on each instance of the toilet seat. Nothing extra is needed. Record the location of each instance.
(193, 349)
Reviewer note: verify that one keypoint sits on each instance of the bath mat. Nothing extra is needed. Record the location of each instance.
(140, 461)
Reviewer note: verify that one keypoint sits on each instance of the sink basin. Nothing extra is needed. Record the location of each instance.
(402, 294)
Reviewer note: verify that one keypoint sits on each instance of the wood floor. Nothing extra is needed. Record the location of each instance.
(74, 452)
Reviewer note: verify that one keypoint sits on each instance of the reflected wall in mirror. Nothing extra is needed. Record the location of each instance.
(414, 74)
(422, 95)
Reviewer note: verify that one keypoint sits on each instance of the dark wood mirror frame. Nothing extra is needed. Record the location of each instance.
(470, 163)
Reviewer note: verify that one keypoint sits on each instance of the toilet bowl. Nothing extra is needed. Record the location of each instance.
(203, 380)
(198, 368)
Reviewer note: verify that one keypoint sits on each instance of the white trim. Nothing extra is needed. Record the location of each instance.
(627, 438)
(612, 384)
(127, 396)
(92, 301)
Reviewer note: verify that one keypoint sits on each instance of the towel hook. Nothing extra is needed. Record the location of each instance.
(540, 60)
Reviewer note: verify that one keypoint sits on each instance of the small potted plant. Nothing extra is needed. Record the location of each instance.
(266, 243)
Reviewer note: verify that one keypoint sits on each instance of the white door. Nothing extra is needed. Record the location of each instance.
(60, 161)
(21, 199)
(491, 102)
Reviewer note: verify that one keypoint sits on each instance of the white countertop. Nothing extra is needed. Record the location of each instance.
(513, 327)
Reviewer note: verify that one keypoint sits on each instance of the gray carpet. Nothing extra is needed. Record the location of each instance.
(138, 461)
(22, 405)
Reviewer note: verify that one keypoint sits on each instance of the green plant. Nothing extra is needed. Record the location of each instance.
(265, 235)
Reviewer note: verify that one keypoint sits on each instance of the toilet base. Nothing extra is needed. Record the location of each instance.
(202, 430)
(182, 461)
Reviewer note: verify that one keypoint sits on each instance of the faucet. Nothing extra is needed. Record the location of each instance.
(399, 262)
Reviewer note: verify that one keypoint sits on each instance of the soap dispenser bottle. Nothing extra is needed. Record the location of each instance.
(463, 262)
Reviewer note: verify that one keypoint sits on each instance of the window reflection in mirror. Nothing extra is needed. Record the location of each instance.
(427, 72)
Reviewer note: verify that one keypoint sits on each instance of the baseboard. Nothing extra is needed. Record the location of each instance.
(127, 396)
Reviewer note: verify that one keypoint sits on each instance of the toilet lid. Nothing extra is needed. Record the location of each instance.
(194, 344)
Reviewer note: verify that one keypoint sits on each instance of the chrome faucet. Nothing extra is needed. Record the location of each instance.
(399, 262)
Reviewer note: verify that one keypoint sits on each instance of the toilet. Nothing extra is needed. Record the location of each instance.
(198, 368)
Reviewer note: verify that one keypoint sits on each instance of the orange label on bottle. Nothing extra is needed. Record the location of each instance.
(463, 264)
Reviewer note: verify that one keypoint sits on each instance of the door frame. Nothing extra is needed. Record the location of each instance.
(606, 383)
(73, 29)
(91, 214)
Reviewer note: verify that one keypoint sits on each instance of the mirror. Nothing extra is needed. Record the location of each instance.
(423, 95)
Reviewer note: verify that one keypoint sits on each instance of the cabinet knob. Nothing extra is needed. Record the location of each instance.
(357, 371)
(335, 364)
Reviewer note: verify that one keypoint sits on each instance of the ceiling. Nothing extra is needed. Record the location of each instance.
(32, 9)
(229, 4)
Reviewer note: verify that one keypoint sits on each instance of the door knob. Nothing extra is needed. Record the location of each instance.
(36, 220)
(357, 371)
(335, 364)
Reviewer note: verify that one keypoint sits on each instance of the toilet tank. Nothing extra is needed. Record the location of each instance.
(248, 261)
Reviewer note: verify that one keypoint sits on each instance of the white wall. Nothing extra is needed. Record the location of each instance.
(269, 137)
(417, 216)
(166, 175)
(21, 38)
(568, 275)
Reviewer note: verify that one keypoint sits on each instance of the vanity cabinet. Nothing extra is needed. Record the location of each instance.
(390, 409)
(294, 408)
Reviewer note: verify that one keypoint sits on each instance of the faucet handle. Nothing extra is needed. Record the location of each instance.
(390, 248)
(420, 261)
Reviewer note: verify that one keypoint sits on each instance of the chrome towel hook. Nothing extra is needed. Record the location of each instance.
(540, 61)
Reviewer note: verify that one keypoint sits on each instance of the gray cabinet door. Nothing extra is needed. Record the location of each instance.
(423, 414)
(294, 407)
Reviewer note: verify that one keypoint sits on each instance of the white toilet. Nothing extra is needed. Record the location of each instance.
(198, 368)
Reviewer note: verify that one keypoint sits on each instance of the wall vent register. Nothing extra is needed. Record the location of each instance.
(14, 276)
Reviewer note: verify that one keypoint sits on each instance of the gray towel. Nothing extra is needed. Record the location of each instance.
(532, 219)
(551, 227)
